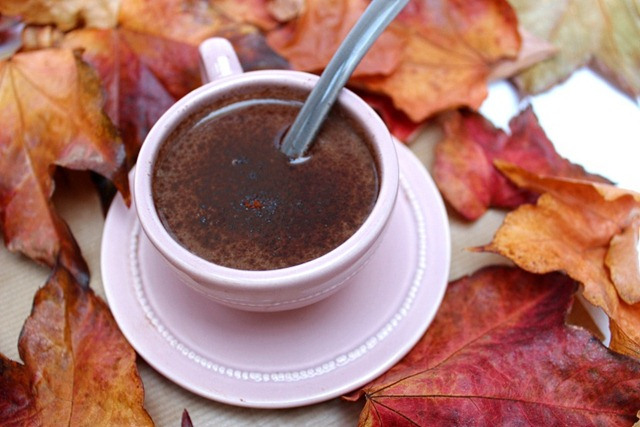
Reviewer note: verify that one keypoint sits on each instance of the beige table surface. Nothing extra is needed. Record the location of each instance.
(165, 401)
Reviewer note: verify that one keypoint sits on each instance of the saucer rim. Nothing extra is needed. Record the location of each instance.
(436, 214)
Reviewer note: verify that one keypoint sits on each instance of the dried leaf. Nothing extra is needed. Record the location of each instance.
(36, 37)
(603, 34)
(191, 22)
(143, 75)
(532, 51)
(570, 229)
(623, 262)
(78, 368)
(621, 342)
(186, 419)
(400, 126)
(310, 41)
(409, 64)
(285, 10)
(450, 52)
(186, 21)
(50, 119)
(252, 49)
(255, 12)
(499, 353)
(151, 60)
(463, 167)
(17, 406)
(66, 14)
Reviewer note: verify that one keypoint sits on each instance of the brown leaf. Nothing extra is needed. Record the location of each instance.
(450, 51)
(532, 51)
(186, 21)
(621, 342)
(400, 126)
(143, 75)
(17, 406)
(191, 22)
(463, 167)
(36, 37)
(146, 66)
(252, 49)
(50, 119)
(603, 34)
(285, 10)
(310, 41)
(255, 12)
(186, 419)
(78, 368)
(623, 262)
(499, 353)
(66, 14)
(570, 229)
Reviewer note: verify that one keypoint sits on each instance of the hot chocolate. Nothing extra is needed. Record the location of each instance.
(224, 191)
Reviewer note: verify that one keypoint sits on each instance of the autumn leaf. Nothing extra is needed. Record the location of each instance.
(463, 166)
(145, 67)
(450, 50)
(190, 21)
(255, 12)
(623, 263)
(576, 227)
(50, 119)
(310, 41)
(399, 124)
(532, 51)
(66, 14)
(78, 368)
(143, 75)
(182, 20)
(603, 34)
(252, 49)
(185, 421)
(499, 353)
(437, 55)
(285, 10)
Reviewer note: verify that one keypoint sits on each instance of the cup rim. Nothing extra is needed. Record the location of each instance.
(230, 278)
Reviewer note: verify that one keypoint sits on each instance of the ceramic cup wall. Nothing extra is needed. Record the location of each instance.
(271, 290)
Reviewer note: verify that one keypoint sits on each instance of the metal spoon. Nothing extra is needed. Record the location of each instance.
(371, 24)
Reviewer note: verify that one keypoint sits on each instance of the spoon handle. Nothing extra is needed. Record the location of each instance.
(370, 25)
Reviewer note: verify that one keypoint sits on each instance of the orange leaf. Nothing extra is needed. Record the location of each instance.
(310, 41)
(499, 353)
(78, 368)
(398, 123)
(623, 262)
(532, 51)
(571, 229)
(182, 20)
(256, 12)
(252, 49)
(190, 21)
(450, 51)
(143, 75)
(463, 167)
(285, 10)
(50, 118)
(147, 66)
(66, 14)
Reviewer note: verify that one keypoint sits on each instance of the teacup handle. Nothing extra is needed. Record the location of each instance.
(217, 59)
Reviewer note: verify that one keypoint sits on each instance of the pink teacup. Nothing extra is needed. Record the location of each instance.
(270, 290)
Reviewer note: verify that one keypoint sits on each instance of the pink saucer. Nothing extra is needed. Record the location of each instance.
(291, 358)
